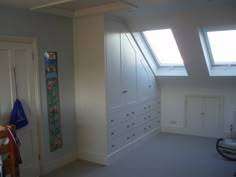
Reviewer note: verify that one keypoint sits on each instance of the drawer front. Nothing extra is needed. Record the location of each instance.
(117, 130)
(115, 118)
(117, 143)
(156, 104)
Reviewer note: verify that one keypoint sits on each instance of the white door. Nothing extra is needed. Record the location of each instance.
(17, 80)
(113, 66)
(212, 113)
(194, 113)
(143, 80)
(129, 75)
(203, 115)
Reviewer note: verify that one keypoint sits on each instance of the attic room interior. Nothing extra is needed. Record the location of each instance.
(127, 88)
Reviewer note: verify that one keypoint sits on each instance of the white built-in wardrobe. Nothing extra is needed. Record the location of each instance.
(117, 96)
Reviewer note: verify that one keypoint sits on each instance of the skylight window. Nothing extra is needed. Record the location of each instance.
(222, 48)
(163, 45)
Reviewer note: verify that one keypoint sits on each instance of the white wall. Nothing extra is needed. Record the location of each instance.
(53, 34)
(173, 105)
(90, 90)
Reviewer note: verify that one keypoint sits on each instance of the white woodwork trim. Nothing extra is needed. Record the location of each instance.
(52, 165)
(56, 11)
(221, 111)
(34, 43)
(93, 157)
(186, 131)
(50, 4)
(127, 148)
(101, 9)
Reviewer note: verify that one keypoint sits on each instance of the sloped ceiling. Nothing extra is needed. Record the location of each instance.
(184, 17)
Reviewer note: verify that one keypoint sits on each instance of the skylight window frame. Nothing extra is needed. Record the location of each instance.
(208, 46)
(155, 56)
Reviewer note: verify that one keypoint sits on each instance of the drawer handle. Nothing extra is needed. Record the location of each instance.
(133, 112)
(145, 107)
(113, 145)
(127, 126)
(124, 91)
(145, 118)
(133, 123)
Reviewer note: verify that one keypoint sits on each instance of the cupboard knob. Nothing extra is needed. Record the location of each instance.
(128, 138)
(127, 115)
(133, 134)
(127, 126)
(112, 120)
(133, 123)
(133, 112)
(145, 107)
(113, 145)
(112, 133)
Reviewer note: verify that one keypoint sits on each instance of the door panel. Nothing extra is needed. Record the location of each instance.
(212, 113)
(5, 80)
(129, 70)
(19, 83)
(143, 80)
(194, 113)
(114, 78)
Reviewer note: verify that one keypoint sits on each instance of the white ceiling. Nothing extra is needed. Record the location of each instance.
(86, 3)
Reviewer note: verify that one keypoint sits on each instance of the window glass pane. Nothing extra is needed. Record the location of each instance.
(164, 47)
(223, 46)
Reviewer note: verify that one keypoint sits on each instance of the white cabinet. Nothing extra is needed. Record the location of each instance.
(110, 75)
(121, 67)
(133, 106)
(129, 75)
(114, 66)
(203, 114)
(146, 81)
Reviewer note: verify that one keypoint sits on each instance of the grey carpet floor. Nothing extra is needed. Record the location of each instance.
(165, 155)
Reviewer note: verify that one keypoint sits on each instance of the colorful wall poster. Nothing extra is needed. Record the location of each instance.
(53, 102)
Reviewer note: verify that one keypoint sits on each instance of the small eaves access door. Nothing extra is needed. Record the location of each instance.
(203, 115)
(17, 80)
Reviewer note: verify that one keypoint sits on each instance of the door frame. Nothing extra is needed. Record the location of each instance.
(221, 111)
(34, 42)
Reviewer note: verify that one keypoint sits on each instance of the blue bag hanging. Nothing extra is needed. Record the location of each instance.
(18, 117)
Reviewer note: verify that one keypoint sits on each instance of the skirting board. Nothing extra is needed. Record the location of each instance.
(114, 156)
(49, 166)
(93, 157)
(185, 131)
